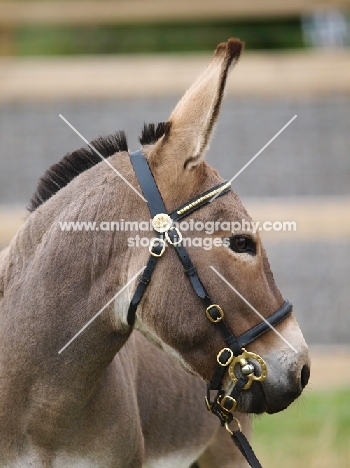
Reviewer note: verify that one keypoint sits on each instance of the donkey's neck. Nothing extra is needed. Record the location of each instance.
(53, 283)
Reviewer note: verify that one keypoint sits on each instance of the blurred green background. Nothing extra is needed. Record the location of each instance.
(313, 432)
(191, 36)
(60, 27)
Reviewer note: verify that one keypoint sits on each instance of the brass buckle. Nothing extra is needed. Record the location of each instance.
(219, 309)
(238, 424)
(228, 398)
(242, 361)
(178, 235)
(228, 360)
(153, 243)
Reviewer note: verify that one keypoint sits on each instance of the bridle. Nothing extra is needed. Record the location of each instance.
(233, 357)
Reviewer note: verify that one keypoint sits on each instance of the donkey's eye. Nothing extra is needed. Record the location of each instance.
(239, 243)
(242, 244)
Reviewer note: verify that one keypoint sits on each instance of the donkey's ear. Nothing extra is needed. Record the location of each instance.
(191, 122)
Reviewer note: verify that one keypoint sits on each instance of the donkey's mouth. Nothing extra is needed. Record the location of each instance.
(252, 400)
(280, 404)
(277, 401)
(256, 399)
(262, 397)
(259, 402)
(271, 396)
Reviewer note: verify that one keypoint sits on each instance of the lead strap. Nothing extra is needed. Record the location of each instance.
(245, 448)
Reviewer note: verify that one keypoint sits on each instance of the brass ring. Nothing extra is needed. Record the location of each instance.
(209, 408)
(251, 377)
(238, 424)
(227, 363)
(178, 235)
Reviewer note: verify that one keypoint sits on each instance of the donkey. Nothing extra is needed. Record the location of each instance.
(126, 396)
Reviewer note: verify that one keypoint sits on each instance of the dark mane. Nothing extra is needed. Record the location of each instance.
(60, 174)
(151, 134)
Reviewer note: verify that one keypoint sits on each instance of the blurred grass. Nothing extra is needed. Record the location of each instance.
(156, 38)
(312, 433)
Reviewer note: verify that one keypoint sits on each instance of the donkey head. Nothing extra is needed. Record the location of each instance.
(170, 313)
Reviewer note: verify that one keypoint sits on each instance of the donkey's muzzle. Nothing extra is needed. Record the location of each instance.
(280, 397)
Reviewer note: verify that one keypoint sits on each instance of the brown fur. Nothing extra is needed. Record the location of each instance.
(113, 399)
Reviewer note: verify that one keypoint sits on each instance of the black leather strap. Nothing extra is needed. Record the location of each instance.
(221, 406)
(230, 340)
(218, 375)
(147, 183)
(155, 205)
(245, 448)
(143, 283)
(278, 316)
(238, 387)
(189, 268)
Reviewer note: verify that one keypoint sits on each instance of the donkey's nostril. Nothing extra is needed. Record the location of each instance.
(305, 375)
